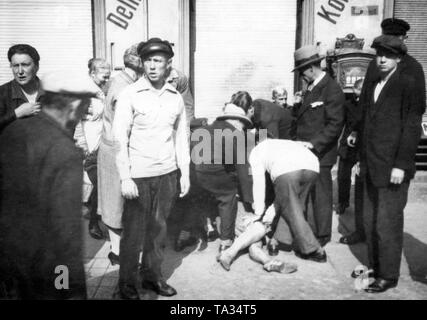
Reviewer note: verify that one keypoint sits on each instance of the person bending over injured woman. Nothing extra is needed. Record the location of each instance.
(293, 170)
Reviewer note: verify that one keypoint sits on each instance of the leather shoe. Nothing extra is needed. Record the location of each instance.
(317, 256)
(381, 285)
(212, 235)
(221, 248)
(95, 231)
(352, 239)
(273, 249)
(181, 244)
(160, 287)
(128, 292)
(114, 258)
(341, 208)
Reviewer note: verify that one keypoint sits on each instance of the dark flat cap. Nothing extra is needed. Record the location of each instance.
(154, 45)
(389, 43)
(395, 27)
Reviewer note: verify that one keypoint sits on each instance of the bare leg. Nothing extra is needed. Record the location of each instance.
(257, 254)
(254, 233)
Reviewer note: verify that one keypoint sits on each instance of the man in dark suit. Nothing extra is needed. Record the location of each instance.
(41, 189)
(348, 159)
(268, 115)
(319, 120)
(408, 64)
(390, 132)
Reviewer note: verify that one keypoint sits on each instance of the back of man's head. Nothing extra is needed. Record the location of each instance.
(24, 49)
(131, 58)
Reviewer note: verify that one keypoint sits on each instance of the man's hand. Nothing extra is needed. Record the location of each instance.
(27, 109)
(298, 97)
(184, 182)
(351, 139)
(306, 144)
(397, 176)
(129, 189)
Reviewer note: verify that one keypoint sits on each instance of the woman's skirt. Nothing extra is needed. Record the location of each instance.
(110, 200)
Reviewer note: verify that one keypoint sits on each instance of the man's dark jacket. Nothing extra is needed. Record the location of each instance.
(278, 121)
(221, 151)
(40, 217)
(353, 115)
(391, 129)
(320, 119)
(409, 66)
(11, 97)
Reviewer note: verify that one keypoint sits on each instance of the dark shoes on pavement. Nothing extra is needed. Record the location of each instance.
(273, 249)
(340, 209)
(352, 239)
(114, 258)
(381, 285)
(95, 231)
(181, 244)
(128, 292)
(160, 287)
(212, 235)
(317, 256)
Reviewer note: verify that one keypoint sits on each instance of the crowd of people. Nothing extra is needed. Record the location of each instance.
(135, 139)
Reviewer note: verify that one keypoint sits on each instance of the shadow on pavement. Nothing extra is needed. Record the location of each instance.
(415, 253)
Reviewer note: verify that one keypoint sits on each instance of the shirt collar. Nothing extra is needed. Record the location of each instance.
(143, 84)
(318, 79)
(388, 76)
(17, 93)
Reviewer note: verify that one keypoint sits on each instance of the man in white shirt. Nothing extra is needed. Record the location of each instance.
(151, 131)
(293, 169)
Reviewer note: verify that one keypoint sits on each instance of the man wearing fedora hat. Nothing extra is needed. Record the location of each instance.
(389, 136)
(41, 168)
(151, 131)
(319, 121)
(226, 171)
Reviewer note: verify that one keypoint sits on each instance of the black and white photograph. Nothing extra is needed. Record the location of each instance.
(213, 154)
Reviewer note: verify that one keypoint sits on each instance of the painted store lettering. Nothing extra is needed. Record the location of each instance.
(337, 5)
(124, 14)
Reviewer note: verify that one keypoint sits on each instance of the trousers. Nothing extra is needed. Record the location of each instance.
(144, 227)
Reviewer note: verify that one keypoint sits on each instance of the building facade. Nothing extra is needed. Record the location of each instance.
(223, 45)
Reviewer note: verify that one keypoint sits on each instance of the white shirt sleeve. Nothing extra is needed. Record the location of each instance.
(122, 125)
(258, 177)
(182, 148)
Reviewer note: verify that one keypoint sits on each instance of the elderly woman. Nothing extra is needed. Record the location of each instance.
(110, 201)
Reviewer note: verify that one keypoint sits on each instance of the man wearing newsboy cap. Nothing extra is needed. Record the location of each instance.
(389, 136)
(151, 131)
(40, 221)
(398, 28)
(319, 121)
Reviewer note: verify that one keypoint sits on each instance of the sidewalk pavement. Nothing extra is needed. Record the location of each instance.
(196, 275)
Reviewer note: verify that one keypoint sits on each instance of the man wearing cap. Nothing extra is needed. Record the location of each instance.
(319, 121)
(110, 200)
(151, 131)
(19, 98)
(41, 168)
(408, 64)
(390, 132)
